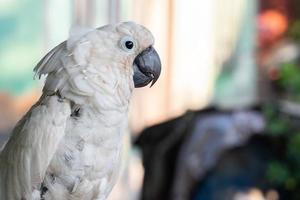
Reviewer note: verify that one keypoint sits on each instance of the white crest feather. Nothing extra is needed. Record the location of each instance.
(76, 32)
(50, 62)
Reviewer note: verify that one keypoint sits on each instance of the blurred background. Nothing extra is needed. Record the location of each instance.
(223, 120)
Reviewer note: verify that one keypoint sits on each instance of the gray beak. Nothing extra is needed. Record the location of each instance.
(147, 67)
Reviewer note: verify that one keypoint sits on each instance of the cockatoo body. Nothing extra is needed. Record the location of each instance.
(67, 147)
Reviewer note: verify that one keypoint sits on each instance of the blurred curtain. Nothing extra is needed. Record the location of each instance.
(228, 23)
(21, 41)
(193, 38)
(236, 86)
(21, 30)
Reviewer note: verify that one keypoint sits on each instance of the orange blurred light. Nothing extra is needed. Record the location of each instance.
(271, 24)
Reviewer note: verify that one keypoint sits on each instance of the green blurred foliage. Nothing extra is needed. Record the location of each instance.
(289, 80)
(276, 125)
(293, 148)
(278, 173)
(284, 172)
(293, 31)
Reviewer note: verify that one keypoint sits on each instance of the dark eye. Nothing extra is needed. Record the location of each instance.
(128, 44)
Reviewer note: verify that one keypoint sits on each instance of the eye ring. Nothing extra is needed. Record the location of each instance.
(128, 44)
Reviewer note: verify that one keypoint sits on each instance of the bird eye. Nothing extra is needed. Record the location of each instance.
(128, 44)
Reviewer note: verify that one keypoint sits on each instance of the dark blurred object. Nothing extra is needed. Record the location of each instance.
(212, 134)
(160, 145)
(238, 171)
(208, 155)
(179, 153)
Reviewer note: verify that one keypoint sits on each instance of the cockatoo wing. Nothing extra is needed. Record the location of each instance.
(52, 64)
(35, 138)
(26, 156)
(65, 65)
(61, 59)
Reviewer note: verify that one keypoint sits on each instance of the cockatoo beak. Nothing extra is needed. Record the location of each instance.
(147, 67)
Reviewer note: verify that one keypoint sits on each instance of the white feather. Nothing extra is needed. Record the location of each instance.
(32, 146)
(76, 33)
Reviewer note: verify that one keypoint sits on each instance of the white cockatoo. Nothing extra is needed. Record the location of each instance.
(68, 145)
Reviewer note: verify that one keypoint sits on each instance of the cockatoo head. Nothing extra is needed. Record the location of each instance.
(132, 45)
(94, 62)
